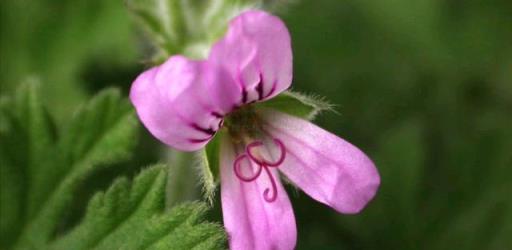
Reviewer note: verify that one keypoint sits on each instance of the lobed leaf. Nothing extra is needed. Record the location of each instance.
(132, 216)
(41, 169)
(42, 173)
(26, 136)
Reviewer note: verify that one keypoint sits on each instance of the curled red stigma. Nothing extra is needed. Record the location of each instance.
(270, 194)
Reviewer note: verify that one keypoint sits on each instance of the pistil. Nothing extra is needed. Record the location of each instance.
(254, 156)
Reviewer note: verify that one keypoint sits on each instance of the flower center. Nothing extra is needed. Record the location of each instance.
(242, 122)
(254, 157)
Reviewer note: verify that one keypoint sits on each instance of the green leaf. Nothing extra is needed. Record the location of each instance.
(101, 132)
(26, 136)
(132, 216)
(297, 104)
(40, 173)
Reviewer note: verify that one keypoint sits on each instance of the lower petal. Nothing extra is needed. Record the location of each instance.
(252, 222)
(326, 167)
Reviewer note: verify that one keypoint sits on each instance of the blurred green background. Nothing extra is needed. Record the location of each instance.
(424, 87)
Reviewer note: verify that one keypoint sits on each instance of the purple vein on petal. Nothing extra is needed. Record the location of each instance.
(272, 90)
(217, 115)
(244, 95)
(292, 154)
(208, 131)
(259, 88)
(199, 140)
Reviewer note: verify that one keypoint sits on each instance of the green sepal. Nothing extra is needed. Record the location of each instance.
(209, 164)
(297, 104)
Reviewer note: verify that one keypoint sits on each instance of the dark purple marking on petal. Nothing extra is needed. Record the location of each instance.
(259, 88)
(272, 90)
(244, 96)
(199, 140)
(217, 114)
(208, 131)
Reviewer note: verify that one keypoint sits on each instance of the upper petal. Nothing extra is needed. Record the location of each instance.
(175, 103)
(252, 222)
(257, 53)
(326, 167)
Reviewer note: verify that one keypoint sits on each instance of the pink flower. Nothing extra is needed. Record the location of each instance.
(184, 103)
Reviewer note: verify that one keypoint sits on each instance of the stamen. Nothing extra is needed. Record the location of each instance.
(266, 195)
(269, 194)
(263, 161)
(238, 171)
(209, 131)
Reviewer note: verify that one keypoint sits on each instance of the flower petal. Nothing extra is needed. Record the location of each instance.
(256, 51)
(252, 222)
(176, 104)
(326, 167)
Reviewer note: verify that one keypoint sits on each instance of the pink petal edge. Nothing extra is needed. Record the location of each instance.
(326, 167)
(257, 53)
(174, 103)
(251, 222)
